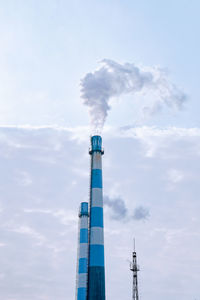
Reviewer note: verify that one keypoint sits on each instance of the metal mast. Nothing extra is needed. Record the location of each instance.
(134, 268)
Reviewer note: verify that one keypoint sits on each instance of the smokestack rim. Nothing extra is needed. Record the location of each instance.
(96, 144)
(84, 209)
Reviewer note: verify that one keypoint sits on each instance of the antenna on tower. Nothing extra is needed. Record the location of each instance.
(134, 268)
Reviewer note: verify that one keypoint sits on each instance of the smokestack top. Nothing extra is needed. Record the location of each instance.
(83, 209)
(96, 144)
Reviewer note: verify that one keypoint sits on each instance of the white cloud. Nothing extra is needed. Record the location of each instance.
(27, 230)
(175, 176)
(23, 178)
(161, 139)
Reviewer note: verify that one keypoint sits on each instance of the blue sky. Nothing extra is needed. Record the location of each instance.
(46, 47)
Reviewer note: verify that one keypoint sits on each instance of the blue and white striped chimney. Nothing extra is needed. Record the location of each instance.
(96, 269)
(82, 253)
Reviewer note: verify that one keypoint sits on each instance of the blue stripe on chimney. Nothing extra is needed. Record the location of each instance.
(82, 293)
(84, 235)
(96, 255)
(96, 178)
(96, 219)
(82, 265)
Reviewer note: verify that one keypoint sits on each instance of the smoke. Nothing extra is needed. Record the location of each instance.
(113, 79)
(140, 213)
(118, 207)
(119, 210)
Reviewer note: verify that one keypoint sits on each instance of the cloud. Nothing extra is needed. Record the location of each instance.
(27, 230)
(160, 140)
(119, 211)
(112, 80)
(153, 138)
(118, 207)
(23, 178)
(175, 176)
(140, 213)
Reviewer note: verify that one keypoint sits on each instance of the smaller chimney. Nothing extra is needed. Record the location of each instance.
(82, 264)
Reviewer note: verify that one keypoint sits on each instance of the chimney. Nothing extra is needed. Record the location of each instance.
(82, 266)
(96, 269)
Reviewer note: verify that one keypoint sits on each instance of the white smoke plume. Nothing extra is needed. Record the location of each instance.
(112, 80)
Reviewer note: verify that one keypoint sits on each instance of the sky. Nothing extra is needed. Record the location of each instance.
(150, 166)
